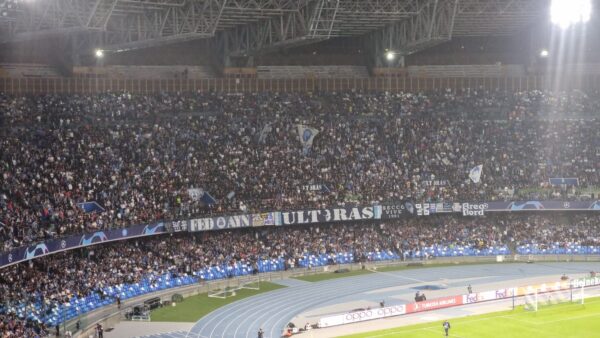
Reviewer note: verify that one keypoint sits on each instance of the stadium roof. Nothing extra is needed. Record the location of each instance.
(243, 27)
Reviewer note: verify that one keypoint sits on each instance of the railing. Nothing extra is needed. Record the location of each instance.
(391, 84)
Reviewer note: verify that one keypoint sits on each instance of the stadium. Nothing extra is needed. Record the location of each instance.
(310, 168)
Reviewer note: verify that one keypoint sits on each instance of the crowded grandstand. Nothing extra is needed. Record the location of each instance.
(126, 173)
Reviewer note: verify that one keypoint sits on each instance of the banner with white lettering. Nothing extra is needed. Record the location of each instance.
(330, 215)
(361, 316)
(222, 222)
(397, 210)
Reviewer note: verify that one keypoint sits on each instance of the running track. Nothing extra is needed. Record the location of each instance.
(273, 310)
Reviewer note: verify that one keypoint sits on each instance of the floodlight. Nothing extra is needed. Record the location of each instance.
(390, 55)
(99, 53)
(565, 13)
(544, 53)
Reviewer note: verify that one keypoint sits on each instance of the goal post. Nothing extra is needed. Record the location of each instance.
(231, 287)
(579, 295)
(541, 297)
(249, 282)
(531, 301)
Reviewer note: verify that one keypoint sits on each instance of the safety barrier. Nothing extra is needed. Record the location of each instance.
(456, 300)
(391, 84)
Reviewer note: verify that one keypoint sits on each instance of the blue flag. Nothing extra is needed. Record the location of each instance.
(307, 135)
(89, 207)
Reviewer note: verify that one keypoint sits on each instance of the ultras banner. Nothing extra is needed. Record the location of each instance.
(356, 213)
(79, 241)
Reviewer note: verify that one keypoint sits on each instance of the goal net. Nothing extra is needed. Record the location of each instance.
(539, 297)
(232, 287)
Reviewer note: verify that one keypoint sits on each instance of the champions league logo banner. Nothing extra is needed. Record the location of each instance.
(544, 206)
(79, 241)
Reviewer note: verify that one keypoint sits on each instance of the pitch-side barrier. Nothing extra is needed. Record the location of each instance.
(457, 300)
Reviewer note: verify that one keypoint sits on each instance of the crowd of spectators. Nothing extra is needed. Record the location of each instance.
(55, 279)
(137, 156)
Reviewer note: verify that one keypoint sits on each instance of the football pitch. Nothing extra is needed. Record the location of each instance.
(550, 321)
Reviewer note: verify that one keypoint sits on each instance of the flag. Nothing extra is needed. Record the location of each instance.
(475, 173)
(195, 193)
(207, 199)
(264, 132)
(307, 135)
(89, 207)
(198, 194)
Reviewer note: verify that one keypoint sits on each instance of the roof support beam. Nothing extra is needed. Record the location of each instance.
(432, 25)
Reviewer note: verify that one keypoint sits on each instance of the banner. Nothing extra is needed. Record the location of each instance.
(544, 205)
(177, 226)
(330, 215)
(434, 304)
(564, 181)
(401, 209)
(361, 316)
(435, 183)
(488, 295)
(266, 218)
(587, 281)
(474, 209)
(221, 222)
(426, 209)
(79, 241)
(322, 188)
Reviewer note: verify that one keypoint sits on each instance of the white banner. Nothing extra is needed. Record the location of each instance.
(361, 316)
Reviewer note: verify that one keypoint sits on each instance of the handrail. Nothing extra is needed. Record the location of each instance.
(229, 84)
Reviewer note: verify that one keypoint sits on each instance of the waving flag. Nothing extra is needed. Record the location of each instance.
(89, 207)
(307, 135)
(475, 173)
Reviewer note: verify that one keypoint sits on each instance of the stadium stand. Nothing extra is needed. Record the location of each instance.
(53, 146)
(134, 158)
(63, 286)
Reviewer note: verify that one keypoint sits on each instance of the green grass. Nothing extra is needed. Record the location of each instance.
(195, 307)
(554, 321)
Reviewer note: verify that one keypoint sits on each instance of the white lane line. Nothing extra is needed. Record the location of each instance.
(336, 285)
(399, 276)
(282, 309)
